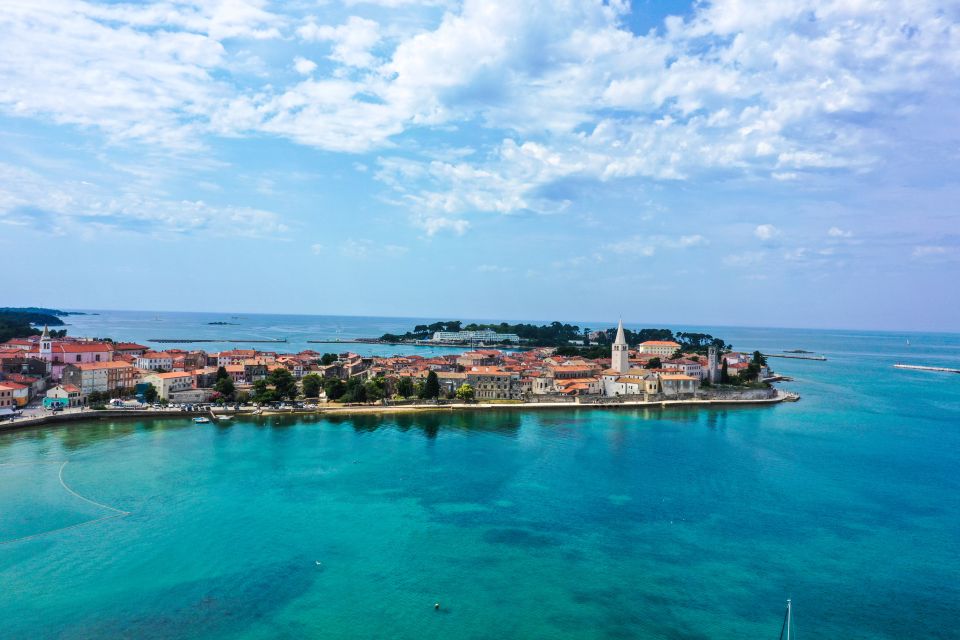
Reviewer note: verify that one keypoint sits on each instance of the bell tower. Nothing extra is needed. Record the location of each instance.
(46, 346)
(620, 352)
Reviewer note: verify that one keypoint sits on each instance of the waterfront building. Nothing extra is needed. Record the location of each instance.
(661, 348)
(101, 377)
(486, 336)
(678, 385)
(6, 396)
(63, 396)
(169, 383)
(493, 383)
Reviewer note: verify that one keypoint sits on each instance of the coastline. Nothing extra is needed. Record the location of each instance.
(347, 411)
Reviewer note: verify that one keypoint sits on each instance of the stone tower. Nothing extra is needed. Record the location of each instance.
(46, 347)
(619, 352)
(712, 371)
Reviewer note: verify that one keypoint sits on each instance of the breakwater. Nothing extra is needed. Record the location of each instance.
(920, 367)
(794, 356)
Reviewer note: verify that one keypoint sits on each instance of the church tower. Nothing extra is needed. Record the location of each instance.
(619, 354)
(712, 364)
(46, 347)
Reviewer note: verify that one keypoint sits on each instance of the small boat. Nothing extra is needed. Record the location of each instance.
(222, 418)
(787, 623)
(201, 420)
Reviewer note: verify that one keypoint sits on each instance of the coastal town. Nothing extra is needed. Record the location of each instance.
(56, 373)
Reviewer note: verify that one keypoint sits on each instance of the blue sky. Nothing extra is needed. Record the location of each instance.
(785, 164)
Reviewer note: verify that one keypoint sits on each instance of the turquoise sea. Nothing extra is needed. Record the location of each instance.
(563, 524)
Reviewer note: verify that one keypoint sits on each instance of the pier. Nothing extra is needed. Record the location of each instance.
(920, 367)
(795, 356)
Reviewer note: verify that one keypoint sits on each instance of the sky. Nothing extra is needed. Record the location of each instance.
(789, 163)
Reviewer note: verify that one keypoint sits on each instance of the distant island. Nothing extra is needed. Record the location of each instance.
(21, 322)
(570, 340)
(222, 323)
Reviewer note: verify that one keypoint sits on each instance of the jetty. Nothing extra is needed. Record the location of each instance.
(795, 356)
(920, 367)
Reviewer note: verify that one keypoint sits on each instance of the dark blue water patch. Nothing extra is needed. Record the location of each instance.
(520, 538)
(223, 605)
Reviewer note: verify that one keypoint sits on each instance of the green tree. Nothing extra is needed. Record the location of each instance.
(312, 383)
(262, 393)
(404, 387)
(654, 363)
(222, 373)
(150, 393)
(243, 397)
(284, 384)
(225, 387)
(759, 358)
(724, 374)
(432, 388)
(328, 358)
(465, 392)
(355, 391)
(334, 388)
(376, 388)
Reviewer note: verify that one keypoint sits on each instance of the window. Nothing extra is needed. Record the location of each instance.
(78, 357)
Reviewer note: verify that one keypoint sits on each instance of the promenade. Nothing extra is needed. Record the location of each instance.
(83, 414)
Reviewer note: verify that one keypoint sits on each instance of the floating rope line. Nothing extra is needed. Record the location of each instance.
(93, 502)
(20, 464)
(117, 512)
(72, 526)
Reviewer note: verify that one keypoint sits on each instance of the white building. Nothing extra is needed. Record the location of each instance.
(662, 348)
(155, 360)
(486, 336)
(686, 367)
(167, 383)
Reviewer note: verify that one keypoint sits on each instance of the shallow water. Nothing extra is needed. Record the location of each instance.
(566, 524)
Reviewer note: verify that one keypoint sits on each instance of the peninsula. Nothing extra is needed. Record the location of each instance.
(548, 366)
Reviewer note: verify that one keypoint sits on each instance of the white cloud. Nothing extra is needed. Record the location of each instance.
(364, 249)
(303, 66)
(27, 198)
(566, 91)
(933, 251)
(493, 268)
(745, 259)
(766, 231)
(317, 248)
(647, 246)
(352, 41)
(837, 232)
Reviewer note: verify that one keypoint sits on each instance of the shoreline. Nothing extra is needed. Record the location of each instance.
(367, 410)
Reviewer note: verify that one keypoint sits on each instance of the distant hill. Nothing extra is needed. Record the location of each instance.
(20, 323)
(44, 310)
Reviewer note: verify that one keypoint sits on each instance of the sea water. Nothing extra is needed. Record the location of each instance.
(683, 523)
